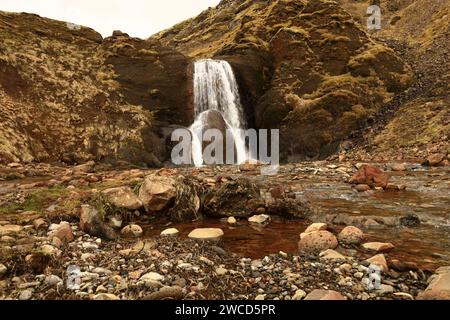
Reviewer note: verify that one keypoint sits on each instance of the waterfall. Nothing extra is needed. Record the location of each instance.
(215, 88)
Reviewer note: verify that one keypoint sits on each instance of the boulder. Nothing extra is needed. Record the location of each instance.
(398, 167)
(239, 198)
(325, 295)
(316, 227)
(439, 286)
(434, 160)
(261, 219)
(378, 246)
(91, 222)
(132, 231)
(158, 192)
(380, 261)
(231, 220)
(317, 241)
(63, 232)
(371, 176)
(351, 235)
(123, 197)
(206, 234)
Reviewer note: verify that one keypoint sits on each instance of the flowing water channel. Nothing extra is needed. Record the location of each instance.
(427, 197)
(216, 89)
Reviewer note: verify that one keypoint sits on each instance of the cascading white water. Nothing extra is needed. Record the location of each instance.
(215, 88)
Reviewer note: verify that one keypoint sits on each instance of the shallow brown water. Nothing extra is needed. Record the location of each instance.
(427, 196)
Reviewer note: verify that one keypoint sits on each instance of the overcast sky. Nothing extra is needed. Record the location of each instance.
(139, 18)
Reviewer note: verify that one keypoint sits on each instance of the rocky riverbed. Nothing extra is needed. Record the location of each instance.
(311, 231)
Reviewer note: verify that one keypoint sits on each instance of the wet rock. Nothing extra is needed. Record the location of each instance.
(398, 167)
(317, 241)
(380, 261)
(362, 187)
(123, 197)
(92, 223)
(439, 286)
(262, 219)
(395, 187)
(371, 223)
(332, 255)
(351, 235)
(410, 221)
(239, 198)
(206, 234)
(378, 246)
(371, 176)
(325, 295)
(434, 160)
(10, 230)
(63, 232)
(316, 227)
(106, 296)
(166, 293)
(132, 231)
(170, 232)
(402, 266)
(231, 220)
(158, 192)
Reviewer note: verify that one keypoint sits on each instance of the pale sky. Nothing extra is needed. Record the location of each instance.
(138, 18)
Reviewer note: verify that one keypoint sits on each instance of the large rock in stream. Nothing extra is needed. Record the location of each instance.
(175, 195)
(244, 198)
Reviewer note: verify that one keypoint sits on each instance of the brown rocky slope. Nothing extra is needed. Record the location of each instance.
(68, 95)
(416, 123)
(308, 68)
(305, 67)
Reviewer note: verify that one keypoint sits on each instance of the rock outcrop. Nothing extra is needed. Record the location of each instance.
(68, 95)
(304, 67)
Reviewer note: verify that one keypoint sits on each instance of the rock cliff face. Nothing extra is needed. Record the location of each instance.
(308, 68)
(68, 95)
(305, 67)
